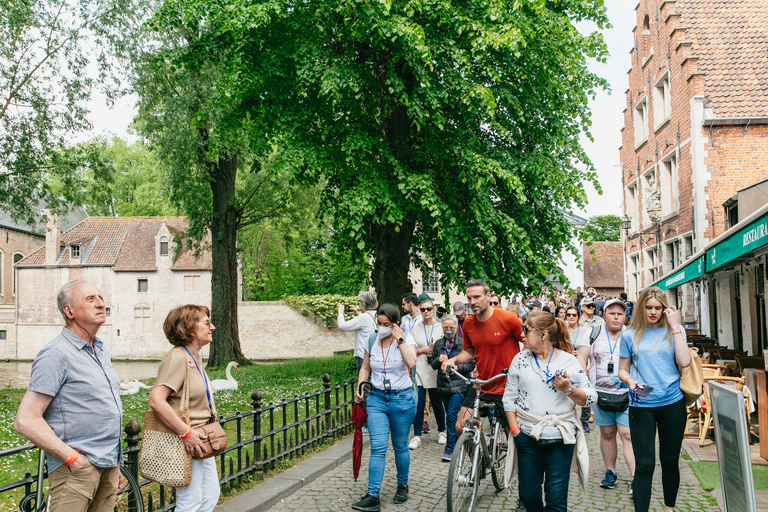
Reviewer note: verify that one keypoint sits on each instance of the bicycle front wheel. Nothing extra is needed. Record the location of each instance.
(462, 486)
(498, 449)
(129, 498)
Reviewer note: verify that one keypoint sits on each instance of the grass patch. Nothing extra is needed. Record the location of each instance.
(709, 475)
(685, 456)
(276, 381)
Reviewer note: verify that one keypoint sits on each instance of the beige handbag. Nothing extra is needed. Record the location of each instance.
(692, 379)
(163, 458)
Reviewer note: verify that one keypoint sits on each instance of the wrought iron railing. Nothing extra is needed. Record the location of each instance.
(263, 437)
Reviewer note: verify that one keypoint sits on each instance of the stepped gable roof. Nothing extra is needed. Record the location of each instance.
(731, 40)
(125, 243)
(607, 271)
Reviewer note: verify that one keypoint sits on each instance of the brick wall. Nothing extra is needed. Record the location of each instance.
(13, 242)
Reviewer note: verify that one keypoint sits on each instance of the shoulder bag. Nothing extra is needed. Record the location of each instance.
(163, 458)
(212, 433)
(692, 379)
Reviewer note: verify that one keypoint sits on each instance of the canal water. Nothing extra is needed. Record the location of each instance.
(16, 374)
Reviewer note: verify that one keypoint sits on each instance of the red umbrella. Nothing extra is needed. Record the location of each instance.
(359, 417)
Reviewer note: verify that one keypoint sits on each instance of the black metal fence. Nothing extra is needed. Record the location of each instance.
(264, 436)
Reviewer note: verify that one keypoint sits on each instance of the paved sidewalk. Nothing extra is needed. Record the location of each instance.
(336, 490)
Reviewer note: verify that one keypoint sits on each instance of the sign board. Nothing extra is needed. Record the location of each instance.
(732, 439)
(692, 270)
(748, 238)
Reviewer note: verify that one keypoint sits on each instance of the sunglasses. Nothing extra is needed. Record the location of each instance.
(590, 306)
(527, 329)
(571, 314)
(493, 303)
(424, 310)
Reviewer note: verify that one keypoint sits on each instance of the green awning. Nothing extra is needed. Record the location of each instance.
(692, 270)
(747, 239)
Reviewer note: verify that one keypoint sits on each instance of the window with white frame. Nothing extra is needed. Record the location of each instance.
(163, 246)
(662, 101)
(634, 276)
(670, 259)
(17, 257)
(75, 251)
(670, 198)
(631, 203)
(688, 241)
(432, 283)
(191, 283)
(651, 270)
(641, 121)
(142, 319)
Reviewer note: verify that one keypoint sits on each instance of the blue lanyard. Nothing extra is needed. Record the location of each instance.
(429, 341)
(546, 372)
(612, 348)
(411, 323)
(204, 380)
(445, 349)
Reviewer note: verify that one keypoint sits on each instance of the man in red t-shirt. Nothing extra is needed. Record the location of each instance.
(491, 338)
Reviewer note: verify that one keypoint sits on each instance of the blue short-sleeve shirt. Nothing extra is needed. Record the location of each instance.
(86, 411)
(653, 363)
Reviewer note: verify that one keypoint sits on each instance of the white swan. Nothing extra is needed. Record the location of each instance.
(131, 387)
(229, 382)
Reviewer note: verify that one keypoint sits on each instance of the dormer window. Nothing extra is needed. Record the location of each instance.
(76, 251)
(163, 246)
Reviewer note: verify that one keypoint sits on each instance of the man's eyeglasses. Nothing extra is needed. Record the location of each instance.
(590, 306)
(424, 310)
(493, 303)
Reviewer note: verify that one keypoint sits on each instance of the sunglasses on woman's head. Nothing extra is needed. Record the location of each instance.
(423, 310)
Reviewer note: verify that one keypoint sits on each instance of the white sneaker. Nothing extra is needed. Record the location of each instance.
(415, 443)
(442, 438)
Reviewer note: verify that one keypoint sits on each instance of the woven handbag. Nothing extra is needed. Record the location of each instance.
(163, 458)
(692, 379)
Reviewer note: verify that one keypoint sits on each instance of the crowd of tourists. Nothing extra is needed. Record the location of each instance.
(562, 355)
(570, 359)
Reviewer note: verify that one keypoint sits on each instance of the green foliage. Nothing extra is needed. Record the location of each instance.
(117, 178)
(445, 133)
(321, 307)
(602, 228)
(50, 51)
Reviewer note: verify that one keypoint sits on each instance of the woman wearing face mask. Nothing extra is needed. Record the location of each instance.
(391, 404)
(451, 389)
(425, 333)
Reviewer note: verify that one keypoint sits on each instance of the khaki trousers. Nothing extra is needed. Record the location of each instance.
(89, 489)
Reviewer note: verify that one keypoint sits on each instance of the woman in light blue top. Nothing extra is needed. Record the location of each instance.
(652, 350)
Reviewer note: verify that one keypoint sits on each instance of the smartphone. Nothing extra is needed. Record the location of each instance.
(347, 309)
(643, 392)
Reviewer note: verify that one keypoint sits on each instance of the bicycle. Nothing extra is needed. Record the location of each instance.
(128, 499)
(472, 456)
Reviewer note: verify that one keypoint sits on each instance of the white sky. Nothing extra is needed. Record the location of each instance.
(607, 117)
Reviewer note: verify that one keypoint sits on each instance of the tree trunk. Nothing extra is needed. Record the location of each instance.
(224, 292)
(392, 261)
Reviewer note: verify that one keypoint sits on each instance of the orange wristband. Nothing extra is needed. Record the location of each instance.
(72, 459)
(189, 431)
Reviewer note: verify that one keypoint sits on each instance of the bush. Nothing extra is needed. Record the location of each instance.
(320, 307)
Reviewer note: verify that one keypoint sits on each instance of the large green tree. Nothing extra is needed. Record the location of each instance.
(446, 132)
(54, 55)
(602, 228)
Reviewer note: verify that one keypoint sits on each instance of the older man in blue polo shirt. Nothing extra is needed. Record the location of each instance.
(72, 409)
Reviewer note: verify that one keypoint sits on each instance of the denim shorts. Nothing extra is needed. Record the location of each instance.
(607, 419)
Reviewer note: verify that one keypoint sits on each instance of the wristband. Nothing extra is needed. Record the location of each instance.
(187, 434)
(516, 429)
(72, 459)
(676, 332)
(570, 390)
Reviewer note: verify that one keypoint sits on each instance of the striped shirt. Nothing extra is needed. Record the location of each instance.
(86, 411)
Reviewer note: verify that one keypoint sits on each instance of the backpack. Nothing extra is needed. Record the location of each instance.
(628, 311)
(372, 342)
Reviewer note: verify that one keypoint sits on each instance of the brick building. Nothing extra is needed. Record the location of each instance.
(602, 261)
(695, 133)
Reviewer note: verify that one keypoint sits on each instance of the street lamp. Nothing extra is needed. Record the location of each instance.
(626, 223)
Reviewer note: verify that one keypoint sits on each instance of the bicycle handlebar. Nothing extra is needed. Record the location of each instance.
(450, 371)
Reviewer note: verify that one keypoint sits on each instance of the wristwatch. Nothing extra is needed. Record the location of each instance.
(570, 390)
(400, 341)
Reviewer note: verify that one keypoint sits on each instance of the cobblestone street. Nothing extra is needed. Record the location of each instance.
(336, 490)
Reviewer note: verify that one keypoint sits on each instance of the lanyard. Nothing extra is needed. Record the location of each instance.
(411, 323)
(207, 394)
(546, 372)
(461, 329)
(429, 341)
(384, 359)
(612, 348)
(448, 353)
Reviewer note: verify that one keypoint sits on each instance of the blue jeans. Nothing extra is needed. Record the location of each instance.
(437, 407)
(452, 405)
(554, 460)
(389, 412)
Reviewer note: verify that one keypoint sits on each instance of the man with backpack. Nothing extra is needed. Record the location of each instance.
(629, 307)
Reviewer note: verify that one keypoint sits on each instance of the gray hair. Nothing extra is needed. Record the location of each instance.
(451, 318)
(64, 298)
(368, 300)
